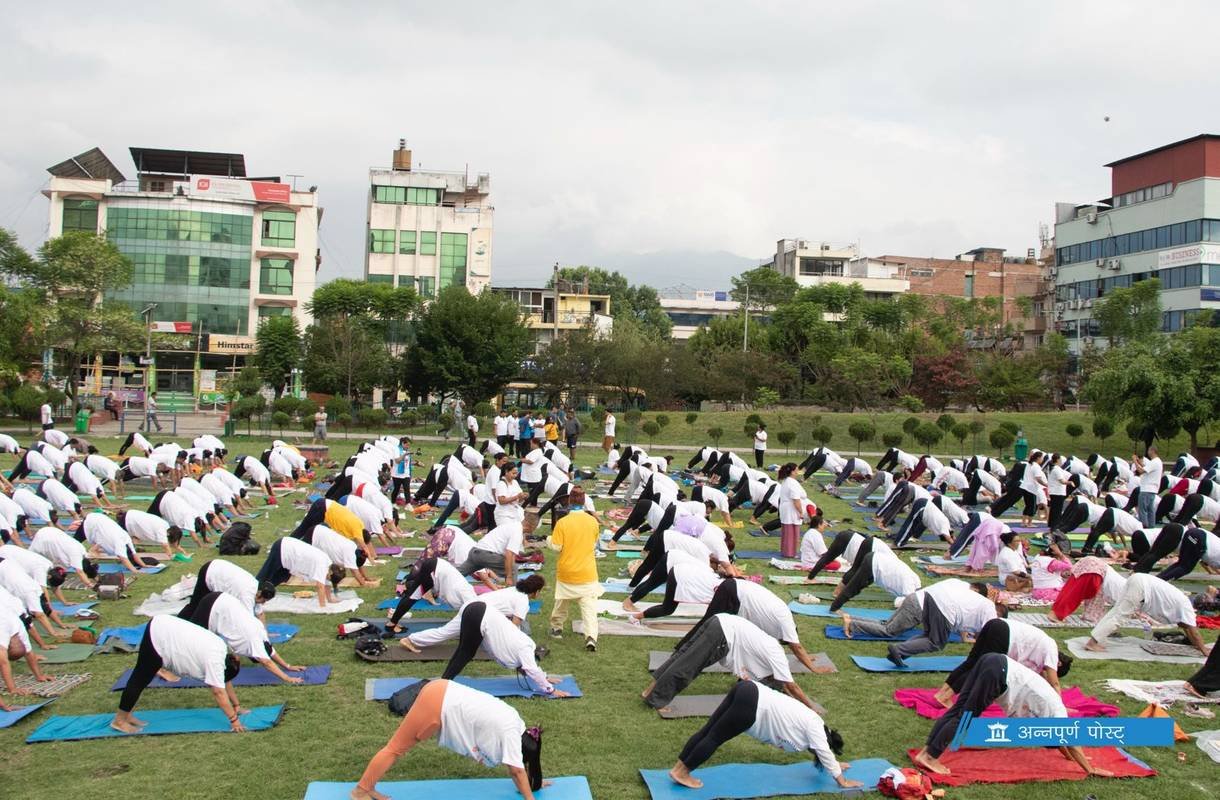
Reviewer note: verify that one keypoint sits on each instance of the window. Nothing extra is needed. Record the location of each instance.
(390, 194)
(821, 266)
(453, 259)
(381, 279)
(968, 286)
(279, 228)
(423, 197)
(406, 195)
(381, 240)
(406, 243)
(80, 215)
(275, 276)
(273, 311)
(427, 243)
(425, 287)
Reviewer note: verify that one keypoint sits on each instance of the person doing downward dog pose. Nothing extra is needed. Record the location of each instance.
(1017, 689)
(219, 575)
(479, 624)
(434, 579)
(879, 566)
(227, 617)
(468, 722)
(288, 556)
(772, 718)
(748, 651)
(181, 648)
(1022, 643)
(1154, 597)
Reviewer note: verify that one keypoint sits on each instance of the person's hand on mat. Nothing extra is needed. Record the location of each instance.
(845, 782)
(236, 726)
(559, 693)
(167, 676)
(50, 646)
(1100, 773)
(294, 680)
(294, 668)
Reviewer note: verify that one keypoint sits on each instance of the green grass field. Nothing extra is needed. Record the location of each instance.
(329, 732)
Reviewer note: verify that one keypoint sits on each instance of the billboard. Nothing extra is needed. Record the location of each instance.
(170, 327)
(210, 186)
(232, 345)
(1190, 254)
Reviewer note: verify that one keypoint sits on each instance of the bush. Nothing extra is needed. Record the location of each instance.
(26, 400)
(1011, 427)
(444, 423)
(373, 417)
(862, 432)
(928, 435)
(1001, 439)
(248, 408)
(427, 412)
(633, 416)
(976, 427)
(338, 406)
(1103, 428)
(786, 438)
(822, 434)
(766, 397)
(345, 420)
(945, 422)
(754, 420)
(714, 434)
(652, 429)
(891, 439)
(910, 424)
(485, 410)
(749, 430)
(960, 431)
(597, 414)
(1135, 431)
(286, 405)
(909, 402)
(1075, 431)
(280, 419)
(691, 418)
(663, 420)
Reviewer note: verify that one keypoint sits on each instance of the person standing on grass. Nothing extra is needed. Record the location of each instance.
(791, 502)
(319, 425)
(525, 433)
(571, 433)
(472, 429)
(499, 428)
(1149, 469)
(609, 424)
(576, 581)
(760, 444)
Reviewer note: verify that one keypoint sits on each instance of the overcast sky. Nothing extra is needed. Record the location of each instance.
(659, 137)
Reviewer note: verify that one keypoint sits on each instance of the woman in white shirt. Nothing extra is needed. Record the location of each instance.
(771, 718)
(879, 566)
(509, 497)
(465, 721)
(1011, 564)
(791, 503)
(1029, 489)
(608, 432)
(1056, 489)
(760, 445)
(288, 556)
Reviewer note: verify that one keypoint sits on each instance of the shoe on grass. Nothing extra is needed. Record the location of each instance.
(591, 645)
(556, 633)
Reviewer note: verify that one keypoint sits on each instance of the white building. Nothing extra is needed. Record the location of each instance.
(428, 229)
(820, 263)
(688, 314)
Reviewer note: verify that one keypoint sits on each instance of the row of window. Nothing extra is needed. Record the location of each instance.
(80, 215)
(1172, 278)
(381, 240)
(1180, 233)
(158, 270)
(424, 286)
(177, 225)
(407, 195)
(1171, 321)
(1147, 193)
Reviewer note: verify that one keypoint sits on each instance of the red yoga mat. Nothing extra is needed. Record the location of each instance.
(1078, 704)
(1029, 765)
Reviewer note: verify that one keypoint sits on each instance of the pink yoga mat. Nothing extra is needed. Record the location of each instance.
(1029, 765)
(1078, 704)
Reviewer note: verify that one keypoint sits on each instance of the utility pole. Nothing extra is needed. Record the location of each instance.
(555, 280)
(745, 340)
(148, 342)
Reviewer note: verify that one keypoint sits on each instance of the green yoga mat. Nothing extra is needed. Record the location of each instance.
(147, 497)
(869, 595)
(66, 653)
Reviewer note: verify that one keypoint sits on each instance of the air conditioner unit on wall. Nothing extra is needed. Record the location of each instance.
(1115, 264)
(1088, 303)
(1091, 218)
(1101, 262)
(1060, 305)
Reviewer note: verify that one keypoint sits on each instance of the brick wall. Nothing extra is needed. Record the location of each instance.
(992, 278)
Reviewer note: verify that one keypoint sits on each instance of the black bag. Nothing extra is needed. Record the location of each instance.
(402, 700)
(236, 541)
(370, 645)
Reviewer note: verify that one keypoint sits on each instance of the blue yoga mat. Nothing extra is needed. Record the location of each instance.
(945, 561)
(623, 588)
(836, 632)
(763, 780)
(567, 788)
(279, 632)
(424, 605)
(70, 609)
(760, 533)
(383, 688)
(10, 718)
(184, 720)
(114, 566)
(805, 609)
(757, 553)
(628, 554)
(249, 676)
(913, 664)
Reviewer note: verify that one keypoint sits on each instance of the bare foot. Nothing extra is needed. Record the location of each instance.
(125, 727)
(923, 759)
(629, 606)
(407, 645)
(167, 676)
(1095, 646)
(847, 625)
(681, 774)
(370, 794)
(1192, 689)
(944, 696)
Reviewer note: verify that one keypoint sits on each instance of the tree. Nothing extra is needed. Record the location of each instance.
(753, 420)
(909, 402)
(70, 278)
(638, 303)
(1103, 428)
(277, 350)
(910, 424)
(891, 439)
(468, 345)
(766, 397)
(26, 400)
(652, 429)
(1011, 427)
(1075, 431)
(280, 419)
(714, 434)
(960, 431)
(248, 408)
(1008, 382)
(691, 418)
(22, 312)
(373, 418)
(822, 434)
(945, 378)
(633, 417)
(765, 288)
(786, 438)
(928, 434)
(976, 427)
(862, 432)
(863, 379)
(663, 420)
(1001, 439)
(945, 422)
(1130, 313)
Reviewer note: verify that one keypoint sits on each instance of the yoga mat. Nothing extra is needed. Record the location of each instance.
(619, 586)
(913, 664)
(1077, 702)
(794, 580)
(185, 720)
(566, 788)
(285, 603)
(515, 686)
(388, 551)
(10, 718)
(1125, 648)
(1030, 765)
(763, 780)
(70, 610)
(701, 705)
(870, 595)
(943, 561)
(820, 660)
(1162, 693)
(808, 610)
(424, 605)
(627, 554)
(61, 683)
(409, 626)
(760, 533)
(618, 627)
(249, 676)
(836, 632)
(1041, 620)
(65, 653)
(129, 635)
(685, 612)
(114, 566)
(440, 652)
(763, 554)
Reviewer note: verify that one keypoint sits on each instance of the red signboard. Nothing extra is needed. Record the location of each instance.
(170, 327)
(235, 189)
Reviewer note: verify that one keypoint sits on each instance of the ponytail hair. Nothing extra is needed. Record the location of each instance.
(531, 584)
(531, 756)
(786, 470)
(834, 739)
(728, 541)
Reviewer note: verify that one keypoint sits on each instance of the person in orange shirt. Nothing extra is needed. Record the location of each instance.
(576, 580)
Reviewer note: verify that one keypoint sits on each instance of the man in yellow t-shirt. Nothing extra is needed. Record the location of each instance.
(576, 580)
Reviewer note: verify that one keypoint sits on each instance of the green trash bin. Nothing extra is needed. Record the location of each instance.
(230, 428)
(1021, 449)
(82, 421)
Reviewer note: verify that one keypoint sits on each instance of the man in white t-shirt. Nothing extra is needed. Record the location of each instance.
(760, 444)
(608, 432)
(1158, 599)
(1150, 470)
(472, 429)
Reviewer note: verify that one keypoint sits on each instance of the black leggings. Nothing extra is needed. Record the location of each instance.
(855, 580)
(669, 605)
(470, 639)
(148, 663)
(734, 716)
(315, 516)
(1104, 525)
(649, 576)
(1207, 679)
(1054, 508)
(420, 578)
(966, 535)
(654, 551)
(402, 485)
(450, 507)
(624, 469)
(900, 498)
(724, 601)
(1190, 551)
(273, 570)
(764, 506)
(913, 527)
(1073, 515)
(201, 589)
(838, 547)
(483, 517)
(815, 463)
(536, 488)
(889, 460)
(637, 518)
(1190, 507)
(987, 681)
(993, 638)
(1167, 541)
(560, 496)
(1010, 498)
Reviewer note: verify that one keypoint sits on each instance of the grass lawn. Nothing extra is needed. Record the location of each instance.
(329, 732)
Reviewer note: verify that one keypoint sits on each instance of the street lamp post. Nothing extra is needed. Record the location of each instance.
(147, 314)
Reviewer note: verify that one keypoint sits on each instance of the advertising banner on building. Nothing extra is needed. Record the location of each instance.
(236, 189)
(231, 345)
(1188, 254)
(170, 327)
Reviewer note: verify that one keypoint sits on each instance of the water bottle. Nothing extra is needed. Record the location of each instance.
(1147, 629)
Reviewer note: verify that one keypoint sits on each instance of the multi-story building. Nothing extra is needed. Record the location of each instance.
(577, 309)
(819, 263)
(214, 251)
(1161, 220)
(688, 312)
(428, 229)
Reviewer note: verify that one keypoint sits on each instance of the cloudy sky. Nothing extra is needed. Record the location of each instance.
(674, 140)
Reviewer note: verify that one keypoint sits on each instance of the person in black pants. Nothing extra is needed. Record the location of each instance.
(1207, 679)
(266, 592)
(1149, 547)
(1192, 549)
(993, 638)
(855, 580)
(838, 547)
(625, 460)
(760, 438)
